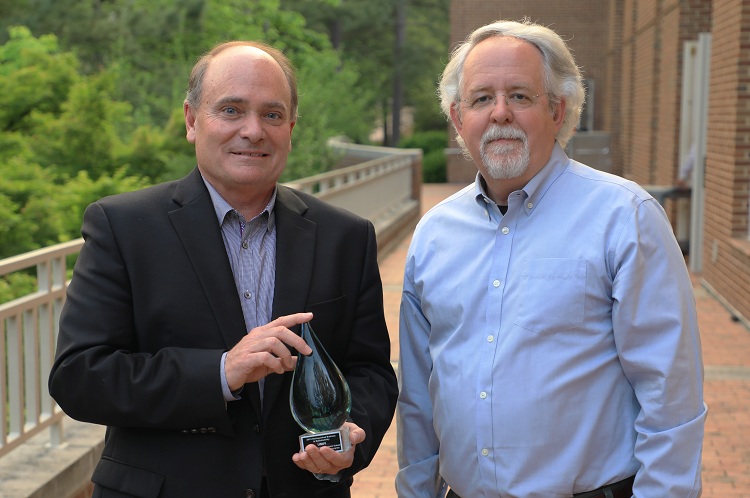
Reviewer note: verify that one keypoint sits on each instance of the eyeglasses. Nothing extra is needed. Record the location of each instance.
(516, 101)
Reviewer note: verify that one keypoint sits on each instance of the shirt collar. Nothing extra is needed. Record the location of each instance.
(535, 189)
(223, 208)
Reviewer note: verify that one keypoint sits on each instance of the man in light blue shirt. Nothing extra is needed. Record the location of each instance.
(549, 343)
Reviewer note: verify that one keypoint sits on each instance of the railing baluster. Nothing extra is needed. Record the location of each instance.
(3, 388)
(31, 371)
(15, 377)
(27, 344)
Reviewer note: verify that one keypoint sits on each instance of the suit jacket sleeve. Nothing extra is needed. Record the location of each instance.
(118, 363)
(373, 385)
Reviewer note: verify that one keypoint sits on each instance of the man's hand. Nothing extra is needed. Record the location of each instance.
(324, 460)
(264, 350)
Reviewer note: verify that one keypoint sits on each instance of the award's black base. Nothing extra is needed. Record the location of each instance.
(336, 440)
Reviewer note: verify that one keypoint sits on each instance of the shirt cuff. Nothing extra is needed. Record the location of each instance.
(329, 477)
(228, 395)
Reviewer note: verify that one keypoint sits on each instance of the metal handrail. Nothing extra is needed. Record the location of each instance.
(28, 330)
(375, 189)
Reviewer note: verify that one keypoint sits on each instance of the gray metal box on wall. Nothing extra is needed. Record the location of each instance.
(591, 148)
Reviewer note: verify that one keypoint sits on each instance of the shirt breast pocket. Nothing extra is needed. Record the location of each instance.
(553, 295)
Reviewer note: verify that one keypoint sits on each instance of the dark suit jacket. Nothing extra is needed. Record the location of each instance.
(152, 306)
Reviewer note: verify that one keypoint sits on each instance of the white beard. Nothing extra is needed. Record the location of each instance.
(504, 161)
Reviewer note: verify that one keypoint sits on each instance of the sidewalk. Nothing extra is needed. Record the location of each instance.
(726, 355)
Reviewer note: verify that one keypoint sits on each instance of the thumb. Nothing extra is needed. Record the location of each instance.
(357, 435)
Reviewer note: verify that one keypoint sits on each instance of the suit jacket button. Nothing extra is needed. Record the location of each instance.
(249, 493)
(256, 428)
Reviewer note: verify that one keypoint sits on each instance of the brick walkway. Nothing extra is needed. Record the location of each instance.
(726, 354)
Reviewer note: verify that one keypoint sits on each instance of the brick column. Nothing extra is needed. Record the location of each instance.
(726, 260)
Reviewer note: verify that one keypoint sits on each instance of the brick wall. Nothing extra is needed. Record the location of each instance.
(644, 96)
(667, 107)
(626, 73)
(651, 59)
(726, 262)
(614, 108)
(636, 58)
(572, 20)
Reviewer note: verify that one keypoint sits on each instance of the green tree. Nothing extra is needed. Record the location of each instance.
(34, 76)
(91, 94)
(393, 61)
(149, 44)
(327, 108)
(424, 56)
(86, 136)
(329, 103)
(156, 45)
(177, 153)
(78, 192)
(57, 128)
(362, 31)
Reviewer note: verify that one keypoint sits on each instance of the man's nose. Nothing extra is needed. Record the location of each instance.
(252, 128)
(501, 112)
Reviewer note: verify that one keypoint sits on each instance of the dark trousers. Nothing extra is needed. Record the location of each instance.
(620, 489)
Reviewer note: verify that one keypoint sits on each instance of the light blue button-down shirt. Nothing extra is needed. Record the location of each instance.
(552, 350)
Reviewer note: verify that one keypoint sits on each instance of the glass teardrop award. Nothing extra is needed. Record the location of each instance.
(319, 398)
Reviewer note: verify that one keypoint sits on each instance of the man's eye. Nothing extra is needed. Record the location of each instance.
(519, 97)
(230, 111)
(482, 101)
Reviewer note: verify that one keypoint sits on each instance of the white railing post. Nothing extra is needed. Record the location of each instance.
(28, 326)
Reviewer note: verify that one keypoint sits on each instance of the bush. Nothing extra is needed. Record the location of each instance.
(433, 167)
(433, 144)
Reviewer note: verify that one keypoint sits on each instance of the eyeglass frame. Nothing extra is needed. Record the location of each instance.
(508, 103)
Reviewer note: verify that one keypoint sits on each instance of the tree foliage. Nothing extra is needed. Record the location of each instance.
(91, 91)
(364, 33)
(60, 138)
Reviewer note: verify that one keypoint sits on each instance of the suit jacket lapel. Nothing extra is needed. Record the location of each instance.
(196, 224)
(295, 253)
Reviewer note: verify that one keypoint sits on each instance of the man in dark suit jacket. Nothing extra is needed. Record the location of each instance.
(177, 329)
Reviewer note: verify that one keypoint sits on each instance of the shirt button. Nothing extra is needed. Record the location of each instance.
(483, 395)
(486, 213)
(245, 245)
(490, 338)
(505, 230)
(530, 205)
(247, 294)
(496, 283)
(485, 452)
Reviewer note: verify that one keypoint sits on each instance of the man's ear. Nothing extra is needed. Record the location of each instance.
(291, 127)
(558, 116)
(189, 122)
(456, 117)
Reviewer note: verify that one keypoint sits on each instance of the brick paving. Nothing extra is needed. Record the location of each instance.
(726, 355)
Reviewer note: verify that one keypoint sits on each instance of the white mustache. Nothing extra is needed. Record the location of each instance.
(502, 132)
